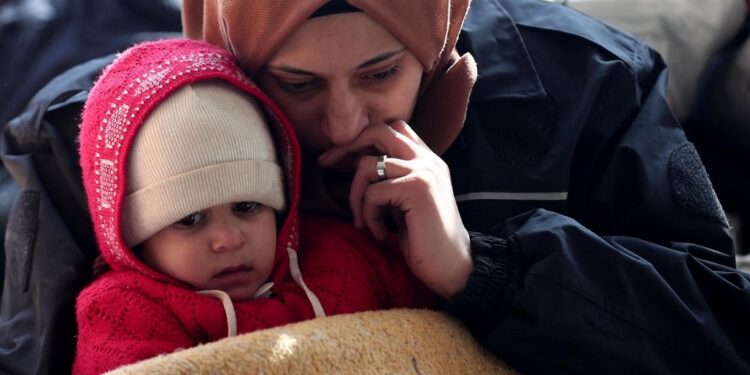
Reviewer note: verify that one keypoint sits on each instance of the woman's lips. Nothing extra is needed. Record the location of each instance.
(231, 272)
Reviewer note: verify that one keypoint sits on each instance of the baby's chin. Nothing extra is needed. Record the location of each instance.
(236, 293)
(244, 293)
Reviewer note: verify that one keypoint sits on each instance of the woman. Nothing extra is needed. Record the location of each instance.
(560, 210)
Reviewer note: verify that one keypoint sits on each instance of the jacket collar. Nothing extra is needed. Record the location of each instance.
(504, 65)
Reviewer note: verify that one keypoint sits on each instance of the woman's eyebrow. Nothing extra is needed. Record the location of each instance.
(379, 58)
(291, 69)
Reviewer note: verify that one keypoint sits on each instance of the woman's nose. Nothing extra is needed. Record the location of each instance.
(344, 117)
(227, 235)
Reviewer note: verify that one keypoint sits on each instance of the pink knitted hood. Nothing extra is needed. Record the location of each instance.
(128, 90)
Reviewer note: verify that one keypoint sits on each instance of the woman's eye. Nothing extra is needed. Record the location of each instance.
(190, 221)
(383, 75)
(298, 87)
(246, 208)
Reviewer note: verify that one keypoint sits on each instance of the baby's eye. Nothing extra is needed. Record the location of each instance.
(190, 221)
(246, 208)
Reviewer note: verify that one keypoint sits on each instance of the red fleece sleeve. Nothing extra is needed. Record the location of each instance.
(349, 271)
(118, 326)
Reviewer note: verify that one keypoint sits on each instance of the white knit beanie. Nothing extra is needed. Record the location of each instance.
(206, 144)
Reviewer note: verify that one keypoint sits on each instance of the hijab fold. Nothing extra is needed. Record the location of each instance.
(254, 30)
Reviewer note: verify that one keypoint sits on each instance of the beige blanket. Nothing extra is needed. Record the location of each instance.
(378, 342)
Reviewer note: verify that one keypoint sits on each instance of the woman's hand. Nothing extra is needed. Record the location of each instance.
(417, 191)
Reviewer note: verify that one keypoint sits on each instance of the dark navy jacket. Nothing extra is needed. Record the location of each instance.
(598, 242)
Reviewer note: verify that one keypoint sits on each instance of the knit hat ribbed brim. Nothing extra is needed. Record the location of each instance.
(206, 144)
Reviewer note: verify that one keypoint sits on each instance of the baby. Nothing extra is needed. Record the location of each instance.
(192, 180)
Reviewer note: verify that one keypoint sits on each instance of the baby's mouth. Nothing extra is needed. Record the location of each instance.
(231, 271)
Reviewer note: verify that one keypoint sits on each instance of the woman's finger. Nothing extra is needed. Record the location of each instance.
(367, 174)
(375, 202)
(402, 127)
(383, 199)
(382, 137)
(361, 180)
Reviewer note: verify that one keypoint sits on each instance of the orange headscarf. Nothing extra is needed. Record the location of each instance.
(254, 30)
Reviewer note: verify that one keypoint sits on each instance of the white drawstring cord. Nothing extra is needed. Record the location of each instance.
(297, 276)
(228, 309)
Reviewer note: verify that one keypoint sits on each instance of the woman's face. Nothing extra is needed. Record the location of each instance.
(338, 74)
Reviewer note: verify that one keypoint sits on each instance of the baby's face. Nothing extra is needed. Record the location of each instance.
(229, 247)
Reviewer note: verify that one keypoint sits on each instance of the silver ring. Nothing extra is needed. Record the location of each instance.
(380, 167)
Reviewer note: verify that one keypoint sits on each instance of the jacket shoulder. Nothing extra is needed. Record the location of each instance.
(556, 21)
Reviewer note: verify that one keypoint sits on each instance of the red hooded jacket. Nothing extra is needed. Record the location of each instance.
(134, 312)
